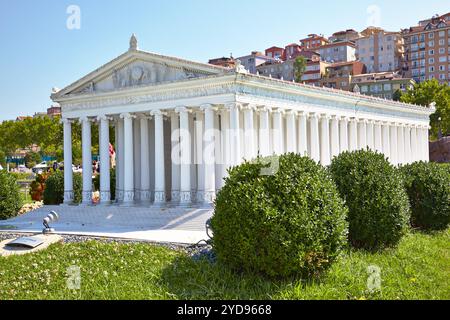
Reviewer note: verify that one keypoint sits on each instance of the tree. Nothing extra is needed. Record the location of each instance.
(424, 94)
(299, 68)
(397, 96)
(32, 158)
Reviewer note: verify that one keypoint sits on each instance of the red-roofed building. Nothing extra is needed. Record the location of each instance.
(275, 52)
(339, 75)
(313, 41)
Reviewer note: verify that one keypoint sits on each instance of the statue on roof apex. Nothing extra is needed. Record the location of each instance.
(133, 42)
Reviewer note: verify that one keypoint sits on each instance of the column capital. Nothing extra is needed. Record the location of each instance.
(66, 121)
(127, 115)
(263, 109)
(231, 105)
(291, 112)
(362, 120)
(343, 118)
(325, 116)
(249, 106)
(208, 106)
(85, 119)
(314, 115)
(158, 112)
(278, 110)
(104, 117)
(182, 109)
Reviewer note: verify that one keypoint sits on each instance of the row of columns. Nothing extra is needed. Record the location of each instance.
(224, 137)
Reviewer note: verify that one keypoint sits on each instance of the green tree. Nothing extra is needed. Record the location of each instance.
(299, 68)
(397, 96)
(31, 158)
(424, 94)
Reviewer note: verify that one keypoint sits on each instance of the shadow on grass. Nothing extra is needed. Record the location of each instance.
(189, 279)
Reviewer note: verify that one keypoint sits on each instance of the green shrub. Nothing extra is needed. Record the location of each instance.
(374, 193)
(54, 188)
(286, 224)
(428, 188)
(10, 200)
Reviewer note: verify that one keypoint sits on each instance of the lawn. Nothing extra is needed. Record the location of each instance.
(418, 269)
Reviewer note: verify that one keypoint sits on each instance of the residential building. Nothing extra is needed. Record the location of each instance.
(339, 51)
(313, 41)
(223, 62)
(285, 69)
(54, 111)
(275, 52)
(379, 50)
(339, 75)
(253, 60)
(427, 50)
(347, 35)
(382, 85)
(185, 96)
(292, 51)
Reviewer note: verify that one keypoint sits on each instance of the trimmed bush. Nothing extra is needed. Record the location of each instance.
(374, 193)
(54, 188)
(10, 200)
(428, 188)
(286, 224)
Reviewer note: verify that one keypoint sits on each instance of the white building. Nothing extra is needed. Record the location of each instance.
(165, 110)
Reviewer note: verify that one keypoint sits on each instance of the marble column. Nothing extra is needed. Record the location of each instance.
(302, 134)
(362, 134)
(370, 135)
(414, 149)
(264, 131)
(249, 139)
(87, 160)
(353, 135)
(68, 172)
(401, 143)
(185, 156)
(160, 173)
(145, 160)
(225, 144)
(408, 155)
(314, 136)
(175, 156)
(105, 183)
(378, 137)
(291, 131)
(426, 143)
(343, 134)
(386, 140)
(334, 136)
(277, 131)
(393, 144)
(325, 159)
(209, 160)
(235, 139)
(128, 161)
(120, 168)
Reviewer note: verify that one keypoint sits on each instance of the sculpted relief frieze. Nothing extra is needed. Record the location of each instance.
(138, 73)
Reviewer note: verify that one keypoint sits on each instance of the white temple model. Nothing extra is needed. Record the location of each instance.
(180, 124)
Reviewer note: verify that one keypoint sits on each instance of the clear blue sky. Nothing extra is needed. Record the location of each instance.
(39, 52)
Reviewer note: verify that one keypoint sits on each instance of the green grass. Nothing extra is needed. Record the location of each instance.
(418, 269)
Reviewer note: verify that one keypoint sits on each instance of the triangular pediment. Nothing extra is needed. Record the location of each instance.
(138, 68)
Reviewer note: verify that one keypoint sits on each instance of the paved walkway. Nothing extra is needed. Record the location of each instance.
(178, 225)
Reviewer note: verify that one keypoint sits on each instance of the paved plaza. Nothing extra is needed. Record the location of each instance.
(176, 225)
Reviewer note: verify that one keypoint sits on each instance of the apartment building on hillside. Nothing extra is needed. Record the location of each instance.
(339, 51)
(382, 85)
(427, 50)
(339, 75)
(379, 50)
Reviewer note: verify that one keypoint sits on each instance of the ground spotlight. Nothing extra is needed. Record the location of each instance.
(51, 217)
